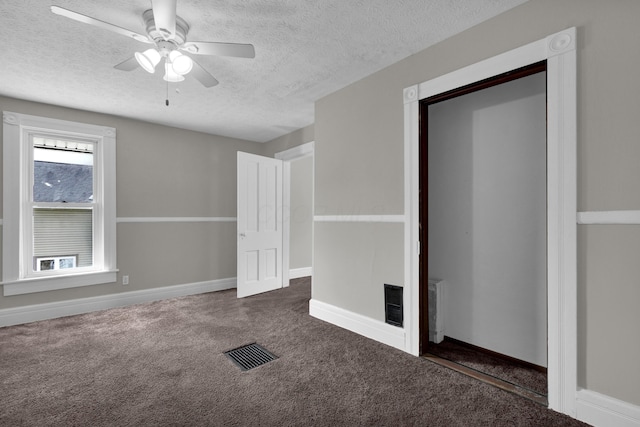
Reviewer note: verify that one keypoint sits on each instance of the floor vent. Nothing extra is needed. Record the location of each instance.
(250, 356)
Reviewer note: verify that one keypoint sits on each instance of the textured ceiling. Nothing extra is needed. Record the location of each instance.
(304, 51)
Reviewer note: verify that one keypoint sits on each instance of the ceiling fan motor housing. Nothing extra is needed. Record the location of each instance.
(180, 36)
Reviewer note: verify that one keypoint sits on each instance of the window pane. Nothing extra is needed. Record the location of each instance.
(62, 175)
(63, 232)
(47, 264)
(67, 263)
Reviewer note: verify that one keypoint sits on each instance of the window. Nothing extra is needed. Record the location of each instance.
(59, 220)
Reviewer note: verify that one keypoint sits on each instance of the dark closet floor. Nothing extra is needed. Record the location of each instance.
(530, 381)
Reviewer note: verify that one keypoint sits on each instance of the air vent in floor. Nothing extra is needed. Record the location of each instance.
(250, 356)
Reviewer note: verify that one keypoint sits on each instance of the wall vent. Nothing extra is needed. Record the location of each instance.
(393, 312)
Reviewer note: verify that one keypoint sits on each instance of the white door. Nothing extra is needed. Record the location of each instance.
(259, 224)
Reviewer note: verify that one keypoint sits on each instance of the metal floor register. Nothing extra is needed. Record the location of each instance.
(250, 356)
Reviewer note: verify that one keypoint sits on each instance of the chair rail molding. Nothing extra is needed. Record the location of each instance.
(609, 217)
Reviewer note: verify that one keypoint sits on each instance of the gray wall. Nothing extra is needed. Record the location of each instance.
(487, 216)
(161, 172)
(290, 140)
(359, 171)
(301, 219)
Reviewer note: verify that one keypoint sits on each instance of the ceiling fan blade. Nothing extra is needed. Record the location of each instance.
(164, 15)
(128, 65)
(202, 75)
(98, 23)
(221, 49)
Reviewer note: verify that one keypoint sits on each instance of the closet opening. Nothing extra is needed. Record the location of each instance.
(483, 228)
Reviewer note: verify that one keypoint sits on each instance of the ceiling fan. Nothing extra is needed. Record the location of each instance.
(168, 33)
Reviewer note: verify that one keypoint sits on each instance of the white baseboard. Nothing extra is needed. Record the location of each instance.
(295, 273)
(604, 411)
(32, 313)
(362, 325)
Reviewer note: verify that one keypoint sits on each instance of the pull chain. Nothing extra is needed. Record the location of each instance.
(167, 100)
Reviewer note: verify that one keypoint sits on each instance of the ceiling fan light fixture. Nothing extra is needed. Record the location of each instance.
(180, 63)
(170, 75)
(148, 59)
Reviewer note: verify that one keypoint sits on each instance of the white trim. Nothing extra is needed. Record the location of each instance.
(600, 410)
(295, 273)
(286, 221)
(63, 281)
(609, 217)
(107, 150)
(297, 152)
(359, 218)
(411, 292)
(32, 313)
(121, 220)
(11, 194)
(362, 325)
(559, 50)
(562, 294)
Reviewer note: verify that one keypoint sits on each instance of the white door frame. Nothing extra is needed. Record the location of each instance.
(287, 156)
(559, 50)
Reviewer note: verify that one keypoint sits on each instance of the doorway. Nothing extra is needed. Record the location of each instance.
(298, 197)
(560, 52)
(483, 215)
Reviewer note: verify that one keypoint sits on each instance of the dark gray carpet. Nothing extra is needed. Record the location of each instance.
(162, 363)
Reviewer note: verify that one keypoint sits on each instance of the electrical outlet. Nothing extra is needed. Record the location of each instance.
(125, 280)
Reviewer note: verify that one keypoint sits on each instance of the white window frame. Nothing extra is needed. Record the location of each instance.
(18, 276)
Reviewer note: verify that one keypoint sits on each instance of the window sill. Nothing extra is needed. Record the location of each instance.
(43, 284)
